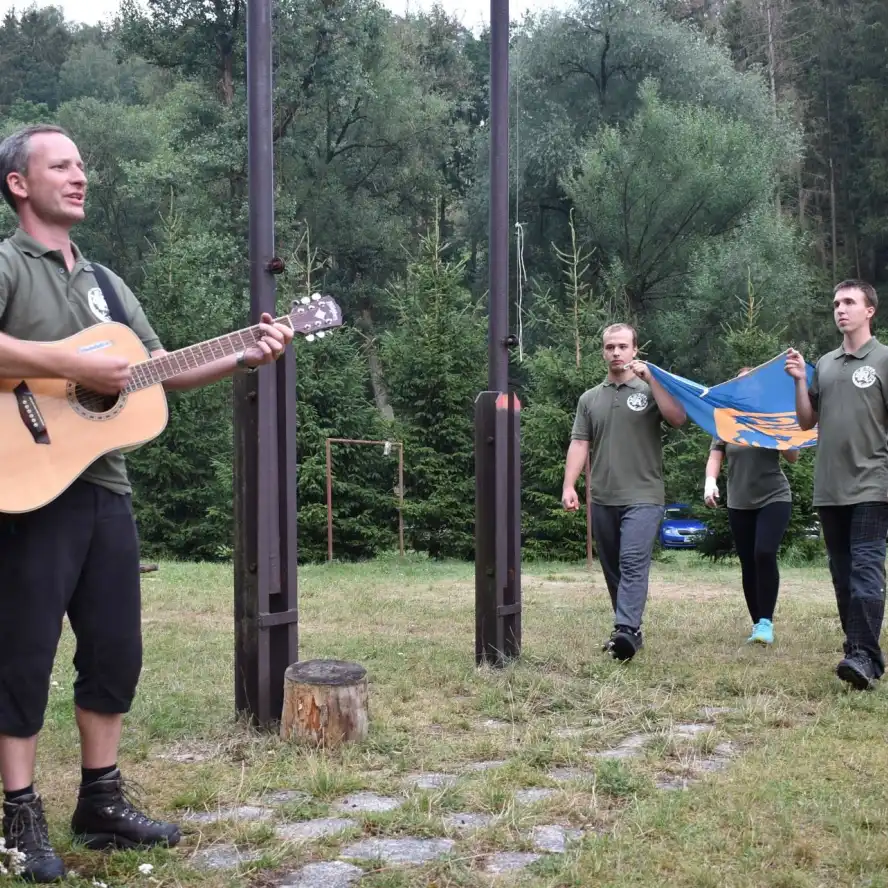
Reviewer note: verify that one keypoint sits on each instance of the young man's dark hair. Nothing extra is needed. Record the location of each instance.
(868, 290)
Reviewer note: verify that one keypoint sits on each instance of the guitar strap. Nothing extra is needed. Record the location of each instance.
(112, 300)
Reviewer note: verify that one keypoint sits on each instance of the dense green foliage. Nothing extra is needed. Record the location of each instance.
(704, 168)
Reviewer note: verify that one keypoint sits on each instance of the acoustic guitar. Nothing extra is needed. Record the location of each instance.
(51, 430)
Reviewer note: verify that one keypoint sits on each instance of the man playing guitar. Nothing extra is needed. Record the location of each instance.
(79, 554)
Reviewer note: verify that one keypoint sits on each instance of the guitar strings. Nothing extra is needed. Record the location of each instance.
(94, 402)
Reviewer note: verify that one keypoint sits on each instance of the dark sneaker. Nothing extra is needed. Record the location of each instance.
(106, 817)
(857, 670)
(25, 830)
(625, 643)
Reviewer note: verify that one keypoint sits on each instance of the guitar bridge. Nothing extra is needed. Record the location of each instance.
(30, 413)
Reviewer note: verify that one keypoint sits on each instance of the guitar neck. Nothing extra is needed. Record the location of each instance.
(155, 370)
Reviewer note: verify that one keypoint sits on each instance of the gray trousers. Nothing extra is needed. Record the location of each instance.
(625, 537)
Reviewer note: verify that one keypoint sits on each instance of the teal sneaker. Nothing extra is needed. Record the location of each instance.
(762, 633)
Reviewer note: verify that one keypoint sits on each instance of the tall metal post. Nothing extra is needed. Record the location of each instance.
(497, 429)
(498, 249)
(265, 605)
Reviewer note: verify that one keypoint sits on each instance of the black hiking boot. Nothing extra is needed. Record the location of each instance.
(857, 670)
(25, 831)
(624, 643)
(106, 817)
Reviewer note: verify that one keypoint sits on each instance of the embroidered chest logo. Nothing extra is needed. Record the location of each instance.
(97, 304)
(864, 377)
(637, 401)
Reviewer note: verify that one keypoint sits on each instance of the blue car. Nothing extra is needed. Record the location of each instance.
(680, 530)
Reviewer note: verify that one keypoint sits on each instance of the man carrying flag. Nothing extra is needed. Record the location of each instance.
(848, 400)
(619, 423)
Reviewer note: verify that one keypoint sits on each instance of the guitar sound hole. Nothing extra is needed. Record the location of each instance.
(92, 402)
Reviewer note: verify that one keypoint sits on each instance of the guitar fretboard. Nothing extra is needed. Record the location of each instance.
(155, 370)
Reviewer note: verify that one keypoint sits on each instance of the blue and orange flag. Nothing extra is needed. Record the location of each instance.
(756, 409)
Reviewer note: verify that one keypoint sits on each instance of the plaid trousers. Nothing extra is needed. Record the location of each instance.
(855, 542)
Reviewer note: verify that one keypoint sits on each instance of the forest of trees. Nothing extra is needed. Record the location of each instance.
(705, 168)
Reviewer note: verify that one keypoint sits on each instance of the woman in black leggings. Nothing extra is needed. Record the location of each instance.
(759, 506)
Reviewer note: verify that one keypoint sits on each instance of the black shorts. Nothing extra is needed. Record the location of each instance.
(77, 555)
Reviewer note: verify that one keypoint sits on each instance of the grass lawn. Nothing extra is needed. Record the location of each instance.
(786, 785)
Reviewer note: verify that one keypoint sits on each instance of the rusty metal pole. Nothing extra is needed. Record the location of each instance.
(265, 593)
(497, 419)
(401, 498)
(329, 501)
(400, 446)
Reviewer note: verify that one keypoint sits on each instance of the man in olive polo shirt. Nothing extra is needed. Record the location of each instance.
(618, 423)
(79, 554)
(848, 401)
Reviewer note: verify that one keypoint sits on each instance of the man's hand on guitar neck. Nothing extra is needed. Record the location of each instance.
(275, 338)
(271, 346)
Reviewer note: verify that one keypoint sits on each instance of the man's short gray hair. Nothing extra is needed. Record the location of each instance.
(15, 150)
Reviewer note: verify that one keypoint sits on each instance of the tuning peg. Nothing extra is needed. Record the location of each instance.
(315, 296)
(310, 337)
(321, 334)
(305, 300)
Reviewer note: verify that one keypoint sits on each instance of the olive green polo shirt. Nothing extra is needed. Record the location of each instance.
(849, 391)
(755, 478)
(40, 300)
(622, 425)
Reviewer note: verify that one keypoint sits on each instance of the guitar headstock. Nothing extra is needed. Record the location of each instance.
(313, 316)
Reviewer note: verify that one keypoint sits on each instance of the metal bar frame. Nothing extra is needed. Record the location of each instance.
(329, 453)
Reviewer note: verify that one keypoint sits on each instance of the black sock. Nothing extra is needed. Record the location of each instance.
(90, 775)
(18, 793)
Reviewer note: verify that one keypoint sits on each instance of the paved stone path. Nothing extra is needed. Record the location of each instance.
(685, 765)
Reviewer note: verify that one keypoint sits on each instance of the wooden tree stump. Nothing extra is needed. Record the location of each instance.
(325, 703)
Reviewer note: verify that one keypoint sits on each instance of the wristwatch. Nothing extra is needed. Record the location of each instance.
(241, 363)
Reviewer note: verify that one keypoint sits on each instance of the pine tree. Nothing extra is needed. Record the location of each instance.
(435, 365)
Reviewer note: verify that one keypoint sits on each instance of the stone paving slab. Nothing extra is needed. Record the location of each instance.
(669, 782)
(190, 754)
(250, 813)
(630, 747)
(533, 794)
(223, 857)
(367, 801)
(567, 733)
(553, 838)
(689, 731)
(467, 821)
(486, 766)
(495, 724)
(509, 861)
(565, 775)
(431, 780)
(719, 759)
(714, 711)
(286, 797)
(308, 830)
(399, 851)
(329, 874)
